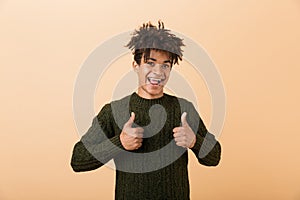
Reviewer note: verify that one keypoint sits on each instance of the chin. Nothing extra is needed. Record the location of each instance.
(153, 92)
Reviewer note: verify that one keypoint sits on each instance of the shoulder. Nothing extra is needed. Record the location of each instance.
(185, 106)
(116, 111)
(184, 103)
(121, 101)
(109, 107)
(118, 102)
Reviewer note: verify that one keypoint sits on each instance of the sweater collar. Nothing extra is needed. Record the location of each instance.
(143, 101)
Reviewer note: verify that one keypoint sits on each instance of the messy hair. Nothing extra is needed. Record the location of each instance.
(149, 37)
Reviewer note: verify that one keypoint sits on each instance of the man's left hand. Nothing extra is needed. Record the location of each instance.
(184, 135)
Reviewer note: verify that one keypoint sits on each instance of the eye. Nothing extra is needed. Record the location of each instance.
(165, 66)
(152, 64)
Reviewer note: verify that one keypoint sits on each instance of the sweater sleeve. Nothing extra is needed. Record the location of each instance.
(98, 145)
(207, 149)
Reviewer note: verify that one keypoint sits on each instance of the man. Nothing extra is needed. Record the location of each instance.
(149, 132)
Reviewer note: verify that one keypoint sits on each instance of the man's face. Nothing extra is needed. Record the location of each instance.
(153, 74)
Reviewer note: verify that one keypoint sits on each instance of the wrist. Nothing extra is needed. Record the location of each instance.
(193, 142)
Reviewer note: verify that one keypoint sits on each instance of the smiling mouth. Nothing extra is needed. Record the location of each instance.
(155, 81)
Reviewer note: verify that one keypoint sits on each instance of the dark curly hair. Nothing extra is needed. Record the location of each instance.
(148, 37)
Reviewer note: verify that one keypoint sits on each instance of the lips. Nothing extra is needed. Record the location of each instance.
(155, 81)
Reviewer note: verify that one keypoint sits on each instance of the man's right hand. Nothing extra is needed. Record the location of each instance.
(131, 138)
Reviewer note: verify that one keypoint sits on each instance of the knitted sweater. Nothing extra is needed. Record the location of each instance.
(158, 169)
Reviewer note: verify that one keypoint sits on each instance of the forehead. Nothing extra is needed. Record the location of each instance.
(160, 55)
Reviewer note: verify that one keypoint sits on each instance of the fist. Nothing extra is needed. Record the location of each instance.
(131, 138)
(184, 135)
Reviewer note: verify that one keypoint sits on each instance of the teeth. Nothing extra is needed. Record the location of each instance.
(155, 80)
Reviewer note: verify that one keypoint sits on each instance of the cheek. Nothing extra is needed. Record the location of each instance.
(146, 70)
(167, 75)
(143, 73)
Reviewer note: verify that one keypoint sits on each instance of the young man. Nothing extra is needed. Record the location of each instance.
(149, 132)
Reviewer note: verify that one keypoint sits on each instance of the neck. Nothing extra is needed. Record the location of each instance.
(146, 95)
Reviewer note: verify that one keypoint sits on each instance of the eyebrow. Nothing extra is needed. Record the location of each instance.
(166, 61)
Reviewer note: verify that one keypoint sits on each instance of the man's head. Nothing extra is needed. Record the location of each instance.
(155, 51)
(149, 37)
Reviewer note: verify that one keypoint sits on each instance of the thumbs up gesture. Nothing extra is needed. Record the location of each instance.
(184, 135)
(131, 138)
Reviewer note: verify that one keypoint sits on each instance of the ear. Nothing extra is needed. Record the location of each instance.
(135, 66)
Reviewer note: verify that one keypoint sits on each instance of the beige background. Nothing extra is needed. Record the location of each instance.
(255, 45)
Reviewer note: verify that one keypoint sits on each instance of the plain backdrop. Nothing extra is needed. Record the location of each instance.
(254, 44)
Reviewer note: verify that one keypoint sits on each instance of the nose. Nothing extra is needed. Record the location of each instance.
(157, 69)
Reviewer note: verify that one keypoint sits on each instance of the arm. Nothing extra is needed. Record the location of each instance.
(206, 148)
(98, 145)
(193, 134)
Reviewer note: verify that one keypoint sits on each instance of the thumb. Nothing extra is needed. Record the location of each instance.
(183, 119)
(131, 119)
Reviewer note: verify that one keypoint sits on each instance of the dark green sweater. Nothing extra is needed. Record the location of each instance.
(157, 170)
